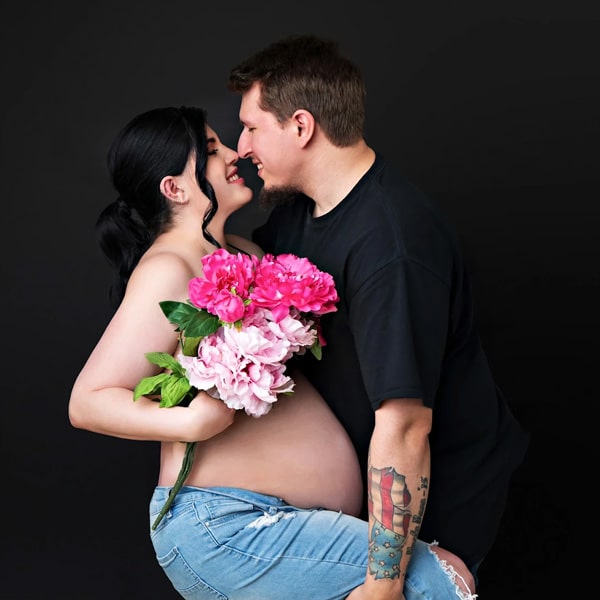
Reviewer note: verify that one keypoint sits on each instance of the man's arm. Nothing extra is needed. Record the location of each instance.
(398, 486)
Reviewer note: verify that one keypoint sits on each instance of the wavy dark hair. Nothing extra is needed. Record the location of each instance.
(153, 145)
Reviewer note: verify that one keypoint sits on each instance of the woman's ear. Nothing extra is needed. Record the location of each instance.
(170, 189)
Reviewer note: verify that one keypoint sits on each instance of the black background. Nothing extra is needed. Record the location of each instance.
(492, 108)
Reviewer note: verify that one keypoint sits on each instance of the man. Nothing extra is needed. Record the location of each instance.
(403, 369)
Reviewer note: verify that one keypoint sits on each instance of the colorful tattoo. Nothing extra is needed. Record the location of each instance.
(389, 499)
(385, 552)
(419, 516)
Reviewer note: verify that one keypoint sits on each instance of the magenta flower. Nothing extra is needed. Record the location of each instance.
(284, 281)
(225, 286)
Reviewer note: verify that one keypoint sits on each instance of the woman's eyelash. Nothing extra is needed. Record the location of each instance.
(213, 151)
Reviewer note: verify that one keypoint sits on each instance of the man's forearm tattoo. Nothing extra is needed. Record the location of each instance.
(389, 505)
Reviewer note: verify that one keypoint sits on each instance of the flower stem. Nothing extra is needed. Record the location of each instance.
(186, 467)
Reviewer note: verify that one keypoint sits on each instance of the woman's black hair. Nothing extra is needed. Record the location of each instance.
(153, 145)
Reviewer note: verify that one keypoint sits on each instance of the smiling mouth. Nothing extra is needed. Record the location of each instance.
(233, 178)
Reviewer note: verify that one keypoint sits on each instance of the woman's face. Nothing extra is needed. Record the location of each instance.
(222, 173)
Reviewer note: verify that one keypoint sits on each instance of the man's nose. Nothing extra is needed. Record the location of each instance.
(243, 147)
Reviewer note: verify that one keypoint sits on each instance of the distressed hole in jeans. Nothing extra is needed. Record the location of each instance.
(456, 569)
(269, 519)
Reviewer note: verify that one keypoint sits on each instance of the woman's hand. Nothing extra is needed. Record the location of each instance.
(211, 416)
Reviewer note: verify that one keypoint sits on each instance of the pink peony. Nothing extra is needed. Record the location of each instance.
(299, 332)
(241, 367)
(225, 286)
(286, 280)
(258, 343)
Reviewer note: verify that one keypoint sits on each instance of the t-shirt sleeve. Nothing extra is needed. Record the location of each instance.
(398, 317)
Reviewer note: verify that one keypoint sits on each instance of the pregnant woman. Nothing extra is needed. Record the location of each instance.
(269, 509)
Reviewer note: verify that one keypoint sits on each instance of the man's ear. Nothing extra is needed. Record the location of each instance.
(305, 125)
(172, 191)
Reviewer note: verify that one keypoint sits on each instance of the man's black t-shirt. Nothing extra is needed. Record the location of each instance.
(404, 328)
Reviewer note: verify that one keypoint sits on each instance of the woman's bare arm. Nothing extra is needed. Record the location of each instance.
(102, 396)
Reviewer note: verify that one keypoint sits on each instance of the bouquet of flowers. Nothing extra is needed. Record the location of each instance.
(245, 318)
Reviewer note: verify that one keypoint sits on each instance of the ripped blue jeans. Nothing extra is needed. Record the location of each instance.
(234, 544)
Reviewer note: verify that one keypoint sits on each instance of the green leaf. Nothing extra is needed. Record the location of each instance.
(317, 349)
(166, 361)
(173, 391)
(190, 346)
(178, 313)
(149, 386)
(201, 324)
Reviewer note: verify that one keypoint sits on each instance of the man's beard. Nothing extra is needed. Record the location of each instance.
(277, 196)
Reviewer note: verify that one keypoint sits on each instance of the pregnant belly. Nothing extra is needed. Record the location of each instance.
(298, 451)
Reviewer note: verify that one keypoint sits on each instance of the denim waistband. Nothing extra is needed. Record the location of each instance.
(190, 493)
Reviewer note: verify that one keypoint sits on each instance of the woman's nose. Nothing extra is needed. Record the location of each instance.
(232, 156)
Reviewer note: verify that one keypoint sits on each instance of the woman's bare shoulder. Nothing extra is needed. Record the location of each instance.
(162, 272)
(165, 262)
(244, 244)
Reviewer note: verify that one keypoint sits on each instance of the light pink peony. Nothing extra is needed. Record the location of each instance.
(258, 343)
(298, 331)
(242, 367)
